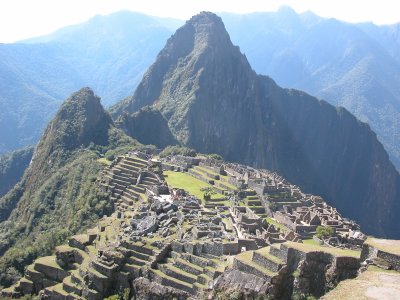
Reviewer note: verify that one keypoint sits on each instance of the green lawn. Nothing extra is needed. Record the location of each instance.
(311, 242)
(390, 246)
(188, 183)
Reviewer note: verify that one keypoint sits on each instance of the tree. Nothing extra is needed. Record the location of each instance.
(323, 232)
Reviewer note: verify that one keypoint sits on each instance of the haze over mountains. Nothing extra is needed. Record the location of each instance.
(353, 65)
(108, 53)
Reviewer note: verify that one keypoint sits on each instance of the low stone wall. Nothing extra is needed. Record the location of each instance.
(202, 262)
(241, 266)
(51, 272)
(161, 255)
(369, 251)
(103, 269)
(177, 246)
(176, 285)
(265, 262)
(248, 244)
(187, 268)
(231, 248)
(215, 249)
(179, 276)
(318, 271)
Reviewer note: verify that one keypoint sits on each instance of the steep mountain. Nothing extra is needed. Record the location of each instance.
(214, 102)
(12, 167)
(350, 65)
(57, 196)
(109, 53)
(148, 126)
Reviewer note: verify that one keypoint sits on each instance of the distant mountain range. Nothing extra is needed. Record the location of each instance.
(353, 65)
(107, 53)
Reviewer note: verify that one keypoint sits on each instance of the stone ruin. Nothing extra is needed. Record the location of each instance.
(166, 238)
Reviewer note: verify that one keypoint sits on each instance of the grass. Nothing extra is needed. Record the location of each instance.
(310, 242)
(104, 161)
(389, 246)
(373, 268)
(265, 252)
(333, 251)
(48, 261)
(206, 170)
(59, 289)
(188, 183)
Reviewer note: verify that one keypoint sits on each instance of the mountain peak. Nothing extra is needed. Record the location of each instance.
(208, 28)
(80, 121)
(200, 46)
(205, 18)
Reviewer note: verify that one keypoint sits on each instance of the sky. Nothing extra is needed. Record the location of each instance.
(22, 19)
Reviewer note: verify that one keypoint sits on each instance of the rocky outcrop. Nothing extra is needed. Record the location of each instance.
(144, 289)
(214, 102)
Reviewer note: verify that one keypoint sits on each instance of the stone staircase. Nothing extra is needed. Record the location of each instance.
(187, 272)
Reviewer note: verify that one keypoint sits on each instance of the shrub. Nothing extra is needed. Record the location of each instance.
(178, 150)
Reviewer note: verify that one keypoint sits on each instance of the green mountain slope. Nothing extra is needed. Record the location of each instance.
(57, 195)
(214, 102)
(12, 167)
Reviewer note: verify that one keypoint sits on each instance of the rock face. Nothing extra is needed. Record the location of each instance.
(148, 126)
(144, 289)
(214, 102)
(245, 286)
